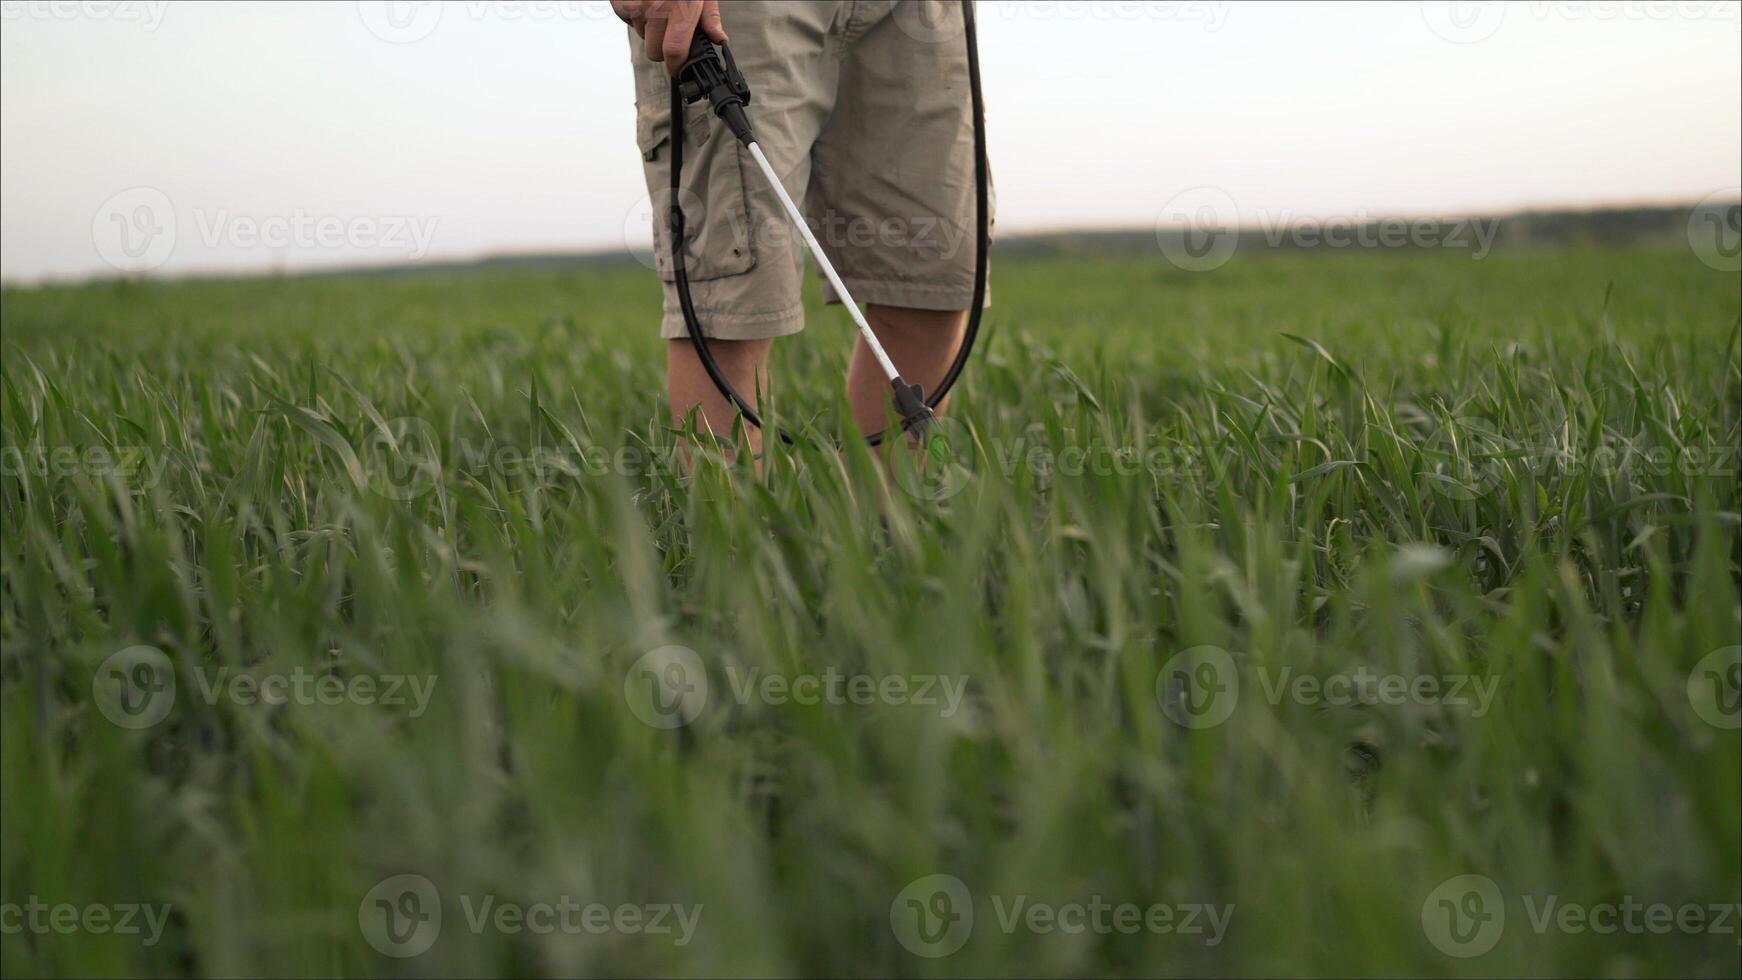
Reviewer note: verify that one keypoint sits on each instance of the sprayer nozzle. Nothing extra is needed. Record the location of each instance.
(732, 113)
(916, 415)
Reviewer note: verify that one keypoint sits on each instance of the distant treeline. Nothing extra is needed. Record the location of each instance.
(1667, 226)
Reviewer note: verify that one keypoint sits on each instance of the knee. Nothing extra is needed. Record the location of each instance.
(725, 352)
(919, 326)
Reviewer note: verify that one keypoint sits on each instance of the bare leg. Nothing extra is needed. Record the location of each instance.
(745, 364)
(922, 343)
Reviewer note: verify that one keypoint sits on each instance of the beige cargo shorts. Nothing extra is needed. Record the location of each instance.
(863, 109)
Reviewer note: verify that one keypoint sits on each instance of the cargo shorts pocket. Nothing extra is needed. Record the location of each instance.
(717, 222)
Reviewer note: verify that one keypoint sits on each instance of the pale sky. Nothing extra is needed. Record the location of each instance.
(295, 136)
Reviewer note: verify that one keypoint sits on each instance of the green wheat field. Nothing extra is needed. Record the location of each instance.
(1328, 613)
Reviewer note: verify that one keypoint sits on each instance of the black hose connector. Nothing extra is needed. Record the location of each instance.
(711, 73)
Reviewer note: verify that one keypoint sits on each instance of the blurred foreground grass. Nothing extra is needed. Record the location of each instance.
(1255, 609)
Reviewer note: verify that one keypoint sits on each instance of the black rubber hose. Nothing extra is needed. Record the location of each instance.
(982, 244)
(982, 219)
(680, 274)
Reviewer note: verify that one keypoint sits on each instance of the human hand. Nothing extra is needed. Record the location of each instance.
(667, 26)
